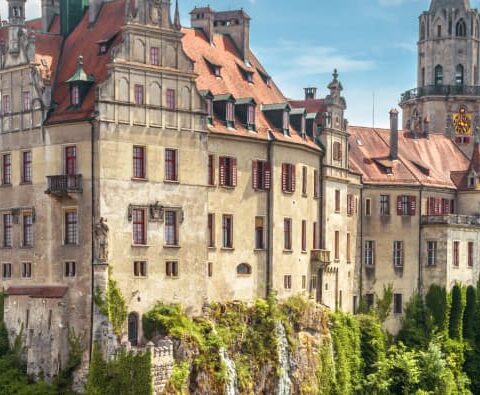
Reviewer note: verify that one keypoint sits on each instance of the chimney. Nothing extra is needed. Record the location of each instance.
(202, 19)
(393, 134)
(236, 24)
(310, 93)
(50, 8)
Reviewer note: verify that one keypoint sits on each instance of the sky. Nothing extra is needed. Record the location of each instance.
(372, 43)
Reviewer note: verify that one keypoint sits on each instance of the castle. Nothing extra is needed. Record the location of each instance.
(167, 159)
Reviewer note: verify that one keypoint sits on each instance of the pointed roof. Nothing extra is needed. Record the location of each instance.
(176, 23)
(80, 75)
(442, 4)
(475, 162)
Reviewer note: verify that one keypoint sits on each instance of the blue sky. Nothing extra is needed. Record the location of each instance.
(300, 42)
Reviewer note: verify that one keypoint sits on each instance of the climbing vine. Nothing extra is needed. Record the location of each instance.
(112, 305)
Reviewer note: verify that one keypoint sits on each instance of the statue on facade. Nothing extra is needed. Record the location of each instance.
(101, 240)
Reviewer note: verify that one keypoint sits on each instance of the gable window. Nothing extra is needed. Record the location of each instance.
(171, 269)
(139, 99)
(70, 269)
(431, 253)
(171, 228)
(384, 205)
(7, 108)
(26, 167)
(70, 160)
(471, 253)
(71, 227)
(228, 171)
(369, 253)
(406, 205)
(438, 75)
(261, 175)
(259, 233)
(27, 101)
(140, 269)
(7, 271)
(211, 230)
(27, 230)
(171, 101)
(398, 253)
(288, 177)
(227, 231)
(456, 253)
(139, 228)
(461, 28)
(7, 230)
(459, 72)
(171, 165)
(287, 234)
(154, 56)
(75, 95)
(138, 162)
(6, 169)
(26, 270)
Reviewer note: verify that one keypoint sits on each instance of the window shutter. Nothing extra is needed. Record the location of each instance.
(446, 206)
(268, 175)
(294, 173)
(430, 206)
(438, 206)
(452, 206)
(373, 253)
(412, 200)
(284, 177)
(255, 175)
(399, 205)
(234, 172)
(222, 171)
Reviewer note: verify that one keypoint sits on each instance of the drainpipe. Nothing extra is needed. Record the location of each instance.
(321, 232)
(360, 279)
(420, 274)
(269, 268)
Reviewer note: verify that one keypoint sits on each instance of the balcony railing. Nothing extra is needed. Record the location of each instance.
(452, 219)
(64, 184)
(440, 90)
(320, 258)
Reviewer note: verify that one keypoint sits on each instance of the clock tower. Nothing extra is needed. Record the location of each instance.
(447, 96)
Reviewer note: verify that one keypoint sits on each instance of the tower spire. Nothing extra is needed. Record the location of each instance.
(176, 23)
(448, 4)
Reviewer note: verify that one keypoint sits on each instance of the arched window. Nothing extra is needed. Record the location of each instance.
(461, 29)
(459, 75)
(244, 269)
(438, 75)
(133, 329)
(422, 31)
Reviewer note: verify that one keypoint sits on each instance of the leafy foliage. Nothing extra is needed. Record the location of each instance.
(113, 305)
(415, 330)
(384, 304)
(437, 306)
(470, 314)
(456, 313)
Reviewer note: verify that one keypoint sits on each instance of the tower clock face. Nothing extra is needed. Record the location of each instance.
(462, 121)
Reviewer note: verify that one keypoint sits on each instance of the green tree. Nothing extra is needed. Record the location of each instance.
(97, 373)
(384, 304)
(456, 313)
(436, 303)
(415, 331)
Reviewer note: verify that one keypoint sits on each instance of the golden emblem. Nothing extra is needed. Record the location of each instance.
(463, 122)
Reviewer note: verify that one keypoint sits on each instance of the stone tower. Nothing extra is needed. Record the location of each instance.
(448, 92)
(16, 21)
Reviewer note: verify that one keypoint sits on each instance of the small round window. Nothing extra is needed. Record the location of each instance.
(244, 269)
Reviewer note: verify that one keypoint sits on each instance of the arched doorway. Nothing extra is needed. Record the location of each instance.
(133, 329)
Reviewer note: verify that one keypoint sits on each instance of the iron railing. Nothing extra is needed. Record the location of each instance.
(440, 90)
(64, 184)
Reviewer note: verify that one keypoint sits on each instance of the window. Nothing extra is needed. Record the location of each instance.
(313, 283)
(337, 245)
(459, 72)
(398, 253)
(423, 76)
(171, 101)
(6, 271)
(439, 31)
(7, 230)
(368, 207)
(27, 101)
(304, 235)
(370, 300)
(26, 270)
(71, 227)
(406, 205)
(139, 99)
(70, 269)
(369, 253)
(261, 175)
(315, 236)
(287, 281)
(259, 233)
(349, 248)
(438, 75)
(139, 228)
(154, 56)
(316, 191)
(26, 167)
(7, 109)
(350, 205)
(140, 269)
(211, 170)
(7, 169)
(304, 181)
(70, 160)
(397, 304)
(209, 110)
(337, 201)
(244, 269)
(211, 230)
(171, 231)
(384, 205)
(139, 162)
(471, 254)
(337, 151)
(288, 178)
(171, 269)
(287, 234)
(210, 269)
(228, 172)
(431, 253)
(304, 282)
(27, 230)
(229, 114)
(251, 115)
(286, 121)
(461, 28)
(171, 173)
(227, 231)
(75, 95)
(132, 329)
(456, 253)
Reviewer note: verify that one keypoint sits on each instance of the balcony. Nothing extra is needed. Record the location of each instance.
(64, 185)
(452, 219)
(440, 90)
(320, 258)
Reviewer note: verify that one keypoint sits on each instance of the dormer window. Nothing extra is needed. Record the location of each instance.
(215, 67)
(75, 95)
(245, 112)
(265, 77)
(230, 117)
(247, 72)
(80, 82)
(286, 121)
(279, 116)
(224, 108)
(105, 44)
(471, 182)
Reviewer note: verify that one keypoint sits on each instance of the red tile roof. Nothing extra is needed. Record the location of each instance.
(429, 162)
(310, 105)
(46, 292)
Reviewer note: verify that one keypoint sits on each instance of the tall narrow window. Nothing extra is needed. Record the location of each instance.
(171, 165)
(349, 248)
(7, 230)
(171, 269)
(337, 245)
(459, 75)
(71, 227)
(227, 231)
(304, 180)
(397, 304)
(384, 205)
(439, 31)
(70, 269)
(228, 171)
(27, 230)
(70, 160)
(171, 101)
(230, 114)
(398, 253)
(461, 28)
(431, 253)
(27, 101)
(138, 162)
(211, 170)
(209, 110)
(139, 229)
(315, 236)
(7, 271)
(171, 231)
(304, 235)
(154, 56)
(261, 175)
(26, 167)
(26, 270)
(369, 253)
(438, 75)
(337, 201)
(287, 281)
(288, 177)
(423, 76)
(139, 95)
(287, 234)
(211, 230)
(251, 115)
(456, 253)
(471, 253)
(7, 107)
(350, 205)
(6, 169)
(316, 190)
(132, 329)
(259, 233)
(75, 95)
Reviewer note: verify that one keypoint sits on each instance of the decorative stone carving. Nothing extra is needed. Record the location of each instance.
(101, 240)
(156, 212)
